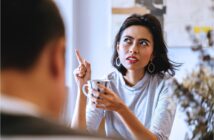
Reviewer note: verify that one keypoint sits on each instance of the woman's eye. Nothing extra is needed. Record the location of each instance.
(127, 40)
(143, 43)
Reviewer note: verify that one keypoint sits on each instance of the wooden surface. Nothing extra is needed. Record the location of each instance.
(101, 129)
(130, 10)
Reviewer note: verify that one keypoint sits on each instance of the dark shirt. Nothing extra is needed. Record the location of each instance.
(29, 125)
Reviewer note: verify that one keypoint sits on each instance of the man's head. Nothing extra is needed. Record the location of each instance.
(27, 25)
(32, 51)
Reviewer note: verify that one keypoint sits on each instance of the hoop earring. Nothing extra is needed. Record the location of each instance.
(117, 62)
(151, 67)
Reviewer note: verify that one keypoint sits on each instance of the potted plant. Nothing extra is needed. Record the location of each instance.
(195, 96)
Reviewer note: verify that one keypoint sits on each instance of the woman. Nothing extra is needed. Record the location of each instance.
(137, 104)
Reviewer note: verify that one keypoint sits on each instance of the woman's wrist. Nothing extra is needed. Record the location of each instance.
(122, 109)
(79, 88)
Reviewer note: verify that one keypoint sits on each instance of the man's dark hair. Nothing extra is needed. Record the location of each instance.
(27, 25)
(160, 60)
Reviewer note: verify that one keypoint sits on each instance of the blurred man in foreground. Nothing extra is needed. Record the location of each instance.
(33, 70)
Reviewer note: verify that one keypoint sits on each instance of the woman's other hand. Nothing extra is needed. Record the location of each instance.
(106, 99)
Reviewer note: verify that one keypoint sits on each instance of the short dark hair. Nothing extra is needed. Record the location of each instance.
(27, 25)
(160, 60)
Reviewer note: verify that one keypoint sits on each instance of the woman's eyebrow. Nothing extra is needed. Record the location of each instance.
(144, 39)
(128, 36)
(141, 39)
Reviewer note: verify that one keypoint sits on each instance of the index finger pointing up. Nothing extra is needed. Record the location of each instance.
(79, 58)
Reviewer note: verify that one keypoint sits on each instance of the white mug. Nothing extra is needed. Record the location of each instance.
(92, 84)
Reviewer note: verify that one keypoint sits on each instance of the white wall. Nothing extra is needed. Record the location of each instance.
(66, 10)
(181, 13)
(87, 23)
(93, 37)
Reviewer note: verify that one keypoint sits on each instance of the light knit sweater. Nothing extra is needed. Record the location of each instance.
(150, 101)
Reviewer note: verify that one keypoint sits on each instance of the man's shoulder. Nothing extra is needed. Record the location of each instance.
(16, 127)
(29, 125)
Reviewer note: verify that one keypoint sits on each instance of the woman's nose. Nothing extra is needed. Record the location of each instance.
(133, 48)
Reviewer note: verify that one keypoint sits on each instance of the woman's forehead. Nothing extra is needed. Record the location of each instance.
(137, 31)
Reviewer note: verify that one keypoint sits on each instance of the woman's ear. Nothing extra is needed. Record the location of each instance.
(152, 57)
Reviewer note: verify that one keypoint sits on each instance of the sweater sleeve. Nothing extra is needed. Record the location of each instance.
(93, 118)
(164, 112)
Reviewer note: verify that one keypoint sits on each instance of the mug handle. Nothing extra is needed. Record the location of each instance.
(83, 89)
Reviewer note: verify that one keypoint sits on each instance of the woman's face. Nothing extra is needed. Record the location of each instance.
(135, 48)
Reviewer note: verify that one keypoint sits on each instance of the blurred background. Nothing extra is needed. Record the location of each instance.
(188, 27)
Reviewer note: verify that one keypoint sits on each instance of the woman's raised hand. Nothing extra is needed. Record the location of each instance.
(83, 72)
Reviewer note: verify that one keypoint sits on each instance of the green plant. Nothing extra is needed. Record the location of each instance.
(195, 95)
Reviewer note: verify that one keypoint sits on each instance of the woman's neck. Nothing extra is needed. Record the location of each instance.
(132, 77)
